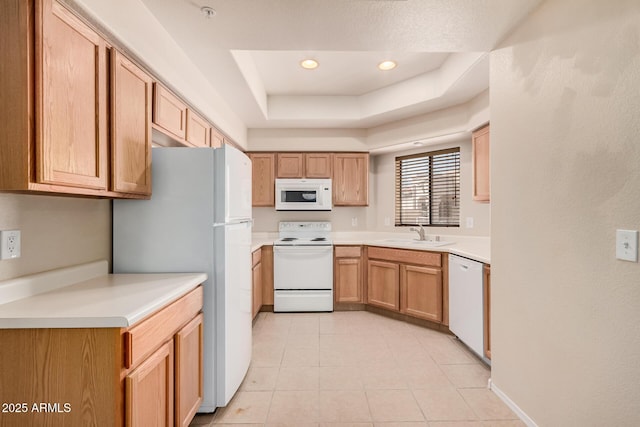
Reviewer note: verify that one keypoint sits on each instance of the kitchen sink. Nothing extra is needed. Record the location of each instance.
(425, 243)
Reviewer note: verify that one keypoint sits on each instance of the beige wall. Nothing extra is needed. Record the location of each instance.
(55, 232)
(435, 127)
(565, 137)
(382, 200)
(384, 176)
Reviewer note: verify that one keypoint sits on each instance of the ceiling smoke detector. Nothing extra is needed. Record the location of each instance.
(208, 12)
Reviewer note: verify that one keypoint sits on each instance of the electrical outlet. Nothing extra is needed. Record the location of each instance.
(9, 244)
(387, 221)
(354, 221)
(469, 222)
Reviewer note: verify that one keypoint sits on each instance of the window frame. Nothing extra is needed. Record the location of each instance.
(435, 187)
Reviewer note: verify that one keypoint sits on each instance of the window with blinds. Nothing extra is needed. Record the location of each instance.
(428, 189)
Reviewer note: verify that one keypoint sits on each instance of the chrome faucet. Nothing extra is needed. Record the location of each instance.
(420, 232)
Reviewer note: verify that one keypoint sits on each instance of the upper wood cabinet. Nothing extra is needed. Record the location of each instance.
(350, 179)
(290, 165)
(480, 164)
(304, 165)
(318, 165)
(169, 112)
(217, 138)
(131, 96)
(263, 188)
(198, 132)
(55, 80)
(71, 100)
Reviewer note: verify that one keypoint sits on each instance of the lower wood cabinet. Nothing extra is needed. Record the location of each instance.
(257, 280)
(348, 275)
(384, 284)
(149, 374)
(406, 281)
(487, 311)
(262, 274)
(421, 292)
(189, 385)
(267, 275)
(149, 390)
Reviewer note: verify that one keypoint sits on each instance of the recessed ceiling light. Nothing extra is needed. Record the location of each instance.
(387, 65)
(309, 64)
(418, 143)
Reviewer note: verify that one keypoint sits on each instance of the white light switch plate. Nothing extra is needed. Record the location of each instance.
(9, 244)
(627, 245)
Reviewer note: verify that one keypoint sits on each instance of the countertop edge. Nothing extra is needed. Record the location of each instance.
(126, 320)
(259, 243)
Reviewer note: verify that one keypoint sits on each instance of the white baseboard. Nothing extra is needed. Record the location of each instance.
(511, 404)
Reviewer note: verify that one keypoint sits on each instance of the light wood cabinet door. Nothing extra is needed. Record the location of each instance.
(217, 138)
(257, 288)
(71, 100)
(290, 165)
(480, 164)
(421, 292)
(351, 179)
(256, 263)
(131, 104)
(263, 179)
(318, 165)
(384, 285)
(487, 311)
(267, 275)
(198, 130)
(149, 390)
(169, 112)
(189, 371)
(348, 280)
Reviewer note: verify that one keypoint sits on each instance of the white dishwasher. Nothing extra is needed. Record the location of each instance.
(466, 319)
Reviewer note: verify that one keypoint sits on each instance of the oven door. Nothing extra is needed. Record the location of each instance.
(303, 267)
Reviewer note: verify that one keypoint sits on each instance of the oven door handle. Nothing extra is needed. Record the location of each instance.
(303, 249)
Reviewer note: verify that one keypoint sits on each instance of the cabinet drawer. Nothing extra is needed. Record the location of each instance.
(348, 251)
(407, 256)
(256, 257)
(146, 336)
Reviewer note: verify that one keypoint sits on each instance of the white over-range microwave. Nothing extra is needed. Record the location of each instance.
(303, 194)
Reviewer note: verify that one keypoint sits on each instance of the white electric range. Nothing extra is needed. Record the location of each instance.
(303, 267)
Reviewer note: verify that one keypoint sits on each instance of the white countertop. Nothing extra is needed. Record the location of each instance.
(103, 301)
(477, 248)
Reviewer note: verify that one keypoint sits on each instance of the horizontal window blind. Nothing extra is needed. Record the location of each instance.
(428, 189)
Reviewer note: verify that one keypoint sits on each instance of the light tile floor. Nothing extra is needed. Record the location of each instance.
(359, 369)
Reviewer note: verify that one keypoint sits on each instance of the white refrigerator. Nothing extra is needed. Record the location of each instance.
(198, 220)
